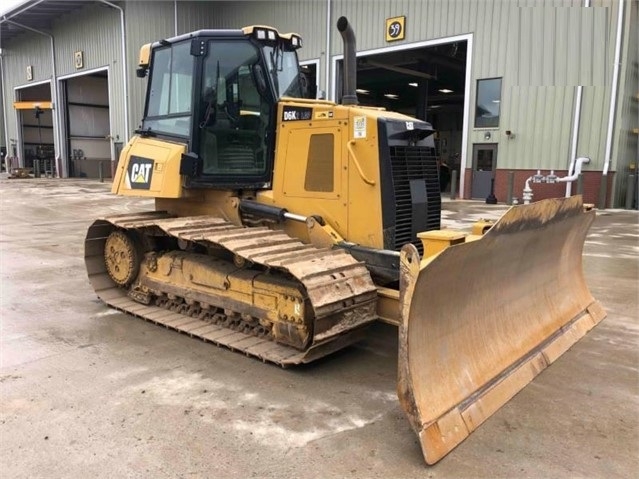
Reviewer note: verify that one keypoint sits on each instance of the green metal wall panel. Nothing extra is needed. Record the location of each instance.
(626, 143)
(25, 49)
(95, 31)
(594, 119)
(146, 22)
(3, 141)
(543, 49)
(307, 18)
(545, 43)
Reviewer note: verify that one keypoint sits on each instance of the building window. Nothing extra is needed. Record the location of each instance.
(488, 103)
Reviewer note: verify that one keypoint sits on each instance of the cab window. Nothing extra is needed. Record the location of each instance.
(169, 105)
(235, 113)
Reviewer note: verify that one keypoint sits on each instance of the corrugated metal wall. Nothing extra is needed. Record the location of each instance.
(626, 143)
(3, 141)
(308, 18)
(543, 49)
(94, 30)
(26, 49)
(146, 22)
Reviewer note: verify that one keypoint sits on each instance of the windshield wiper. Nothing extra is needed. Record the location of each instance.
(277, 63)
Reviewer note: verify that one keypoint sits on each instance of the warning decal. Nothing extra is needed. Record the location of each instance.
(359, 127)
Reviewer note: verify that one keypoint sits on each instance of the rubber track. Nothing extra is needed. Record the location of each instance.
(333, 279)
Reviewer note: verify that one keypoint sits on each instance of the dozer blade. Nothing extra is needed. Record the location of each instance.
(483, 318)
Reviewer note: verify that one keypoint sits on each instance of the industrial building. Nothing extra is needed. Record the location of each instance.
(511, 87)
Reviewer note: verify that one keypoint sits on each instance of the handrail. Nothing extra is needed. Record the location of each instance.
(349, 145)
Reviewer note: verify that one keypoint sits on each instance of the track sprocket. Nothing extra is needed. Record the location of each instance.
(121, 257)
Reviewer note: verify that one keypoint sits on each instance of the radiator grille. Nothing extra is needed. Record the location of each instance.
(414, 163)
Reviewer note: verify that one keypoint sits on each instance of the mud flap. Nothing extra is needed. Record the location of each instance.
(483, 318)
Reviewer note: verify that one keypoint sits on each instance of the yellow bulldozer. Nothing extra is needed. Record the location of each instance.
(284, 226)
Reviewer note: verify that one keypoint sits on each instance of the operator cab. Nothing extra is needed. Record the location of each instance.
(217, 91)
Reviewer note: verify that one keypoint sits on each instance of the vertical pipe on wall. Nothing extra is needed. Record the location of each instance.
(55, 112)
(18, 122)
(603, 186)
(125, 75)
(466, 121)
(575, 136)
(575, 128)
(5, 18)
(4, 109)
(175, 26)
(327, 56)
(615, 86)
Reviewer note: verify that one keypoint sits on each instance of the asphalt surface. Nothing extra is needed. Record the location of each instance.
(87, 391)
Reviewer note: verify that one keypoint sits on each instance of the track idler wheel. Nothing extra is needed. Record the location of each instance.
(122, 258)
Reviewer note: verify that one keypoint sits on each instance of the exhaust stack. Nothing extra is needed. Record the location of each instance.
(350, 62)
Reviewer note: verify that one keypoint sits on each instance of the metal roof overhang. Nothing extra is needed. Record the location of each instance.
(36, 14)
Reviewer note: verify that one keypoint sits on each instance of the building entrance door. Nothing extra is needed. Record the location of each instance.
(484, 165)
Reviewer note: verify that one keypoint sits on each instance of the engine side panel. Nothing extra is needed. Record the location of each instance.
(150, 168)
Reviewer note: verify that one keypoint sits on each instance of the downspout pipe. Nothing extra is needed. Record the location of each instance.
(125, 71)
(175, 24)
(582, 160)
(4, 111)
(350, 62)
(613, 93)
(575, 127)
(55, 113)
(327, 56)
(575, 136)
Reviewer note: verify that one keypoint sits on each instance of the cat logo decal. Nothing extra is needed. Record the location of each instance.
(139, 173)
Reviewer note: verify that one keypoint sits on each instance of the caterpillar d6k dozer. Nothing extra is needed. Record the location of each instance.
(283, 226)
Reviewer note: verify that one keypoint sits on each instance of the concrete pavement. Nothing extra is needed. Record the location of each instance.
(87, 391)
